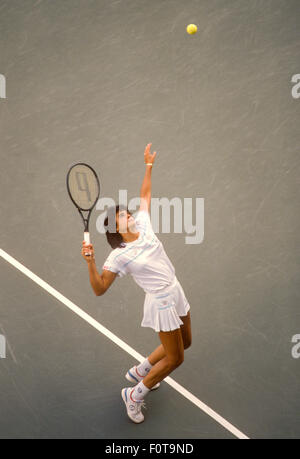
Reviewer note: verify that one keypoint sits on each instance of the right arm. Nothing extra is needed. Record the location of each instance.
(99, 282)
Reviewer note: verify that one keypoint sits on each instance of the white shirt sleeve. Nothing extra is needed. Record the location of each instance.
(113, 263)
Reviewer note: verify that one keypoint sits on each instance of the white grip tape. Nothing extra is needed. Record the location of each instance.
(87, 238)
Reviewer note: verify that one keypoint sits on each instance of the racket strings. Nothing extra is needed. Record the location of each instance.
(83, 186)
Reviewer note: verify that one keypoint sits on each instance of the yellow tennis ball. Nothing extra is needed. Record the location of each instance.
(191, 29)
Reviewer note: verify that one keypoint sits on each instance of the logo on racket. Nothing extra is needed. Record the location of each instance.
(82, 183)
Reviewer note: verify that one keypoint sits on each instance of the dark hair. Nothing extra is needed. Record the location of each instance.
(114, 238)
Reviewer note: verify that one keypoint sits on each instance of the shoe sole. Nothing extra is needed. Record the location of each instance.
(134, 381)
(124, 400)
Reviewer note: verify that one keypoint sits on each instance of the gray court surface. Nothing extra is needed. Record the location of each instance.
(97, 80)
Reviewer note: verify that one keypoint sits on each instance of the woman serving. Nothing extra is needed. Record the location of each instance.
(137, 251)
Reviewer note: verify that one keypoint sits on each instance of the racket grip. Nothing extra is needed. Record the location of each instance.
(87, 238)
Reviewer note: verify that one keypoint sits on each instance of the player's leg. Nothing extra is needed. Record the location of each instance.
(156, 355)
(172, 343)
(172, 352)
(138, 372)
(186, 331)
(174, 355)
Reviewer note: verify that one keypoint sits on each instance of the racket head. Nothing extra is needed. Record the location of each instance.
(83, 186)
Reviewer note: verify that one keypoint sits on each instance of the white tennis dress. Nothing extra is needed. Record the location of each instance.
(146, 260)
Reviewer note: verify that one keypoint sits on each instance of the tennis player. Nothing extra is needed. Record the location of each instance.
(137, 251)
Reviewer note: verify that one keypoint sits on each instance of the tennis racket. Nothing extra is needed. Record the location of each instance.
(84, 189)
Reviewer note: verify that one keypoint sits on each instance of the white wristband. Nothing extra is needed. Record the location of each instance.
(149, 164)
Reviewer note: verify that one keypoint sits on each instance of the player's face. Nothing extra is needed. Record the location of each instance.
(125, 222)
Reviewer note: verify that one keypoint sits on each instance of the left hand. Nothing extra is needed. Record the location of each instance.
(148, 156)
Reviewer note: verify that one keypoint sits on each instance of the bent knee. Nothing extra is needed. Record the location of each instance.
(176, 361)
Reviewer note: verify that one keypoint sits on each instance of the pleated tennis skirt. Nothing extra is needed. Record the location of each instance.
(162, 311)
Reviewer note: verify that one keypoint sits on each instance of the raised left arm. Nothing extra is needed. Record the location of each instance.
(145, 193)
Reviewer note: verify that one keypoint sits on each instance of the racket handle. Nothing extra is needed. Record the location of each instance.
(87, 240)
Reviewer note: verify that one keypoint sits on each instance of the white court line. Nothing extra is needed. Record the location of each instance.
(188, 395)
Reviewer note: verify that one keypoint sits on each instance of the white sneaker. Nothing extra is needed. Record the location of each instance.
(133, 376)
(134, 409)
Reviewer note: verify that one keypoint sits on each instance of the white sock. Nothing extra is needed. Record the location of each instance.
(139, 391)
(144, 368)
